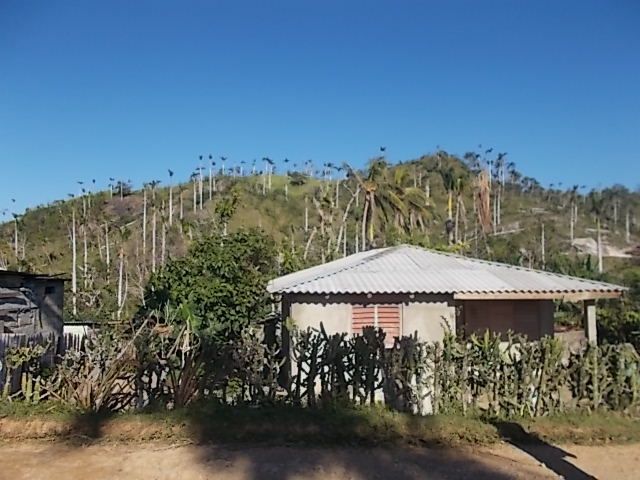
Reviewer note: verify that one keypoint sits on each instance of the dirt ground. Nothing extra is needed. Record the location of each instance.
(53, 461)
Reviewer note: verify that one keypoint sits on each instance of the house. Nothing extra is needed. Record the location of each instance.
(407, 289)
(31, 303)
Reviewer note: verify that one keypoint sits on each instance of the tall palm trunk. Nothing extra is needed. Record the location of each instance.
(264, 179)
(543, 247)
(210, 183)
(456, 235)
(15, 236)
(365, 214)
(74, 263)
(121, 292)
(163, 253)
(599, 246)
(85, 256)
(342, 234)
(144, 225)
(195, 194)
(170, 205)
(201, 187)
(106, 244)
(572, 222)
(306, 214)
(153, 240)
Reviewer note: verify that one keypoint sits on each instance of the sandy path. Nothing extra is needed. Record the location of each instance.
(55, 461)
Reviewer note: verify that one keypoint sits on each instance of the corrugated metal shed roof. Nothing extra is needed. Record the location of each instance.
(409, 269)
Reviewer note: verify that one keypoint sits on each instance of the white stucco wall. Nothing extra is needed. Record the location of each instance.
(335, 317)
(429, 316)
(430, 320)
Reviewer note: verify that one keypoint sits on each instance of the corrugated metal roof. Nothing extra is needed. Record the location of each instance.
(409, 269)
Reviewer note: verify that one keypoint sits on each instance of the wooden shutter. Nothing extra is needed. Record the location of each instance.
(361, 317)
(389, 321)
(383, 316)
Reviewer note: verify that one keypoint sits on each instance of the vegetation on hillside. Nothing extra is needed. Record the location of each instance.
(110, 242)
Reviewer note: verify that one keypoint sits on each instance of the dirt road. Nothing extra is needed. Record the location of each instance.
(56, 461)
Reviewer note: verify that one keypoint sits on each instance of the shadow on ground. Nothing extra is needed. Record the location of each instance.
(247, 443)
(331, 444)
(552, 457)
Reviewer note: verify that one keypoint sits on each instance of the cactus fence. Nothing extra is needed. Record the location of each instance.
(171, 367)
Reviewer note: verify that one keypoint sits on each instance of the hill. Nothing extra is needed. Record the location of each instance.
(109, 241)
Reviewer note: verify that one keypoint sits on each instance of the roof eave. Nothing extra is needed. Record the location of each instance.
(565, 296)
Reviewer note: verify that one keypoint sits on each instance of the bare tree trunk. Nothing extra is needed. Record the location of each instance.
(210, 183)
(627, 225)
(201, 187)
(106, 244)
(456, 235)
(181, 205)
(74, 263)
(364, 224)
(344, 244)
(170, 205)
(308, 245)
(542, 246)
(306, 214)
(264, 179)
(164, 243)
(15, 236)
(572, 224)
(121, 294)
(85, 257)
(356, 238)
(144, 225)
(343, 225)
(600, 264)
(153, 239)
(195, 195)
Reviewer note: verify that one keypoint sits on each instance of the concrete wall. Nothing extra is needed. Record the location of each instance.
(533, 318)
(427, 315)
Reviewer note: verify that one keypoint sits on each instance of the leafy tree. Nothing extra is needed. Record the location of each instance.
(222, 280)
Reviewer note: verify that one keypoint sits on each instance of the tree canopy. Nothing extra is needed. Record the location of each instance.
(222, 281)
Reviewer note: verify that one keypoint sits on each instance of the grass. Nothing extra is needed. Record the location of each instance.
(211, 423)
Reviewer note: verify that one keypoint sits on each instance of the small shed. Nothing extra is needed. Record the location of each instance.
(406, 290)
(31, 303)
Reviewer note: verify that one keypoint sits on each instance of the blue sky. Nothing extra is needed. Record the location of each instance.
(127, 89)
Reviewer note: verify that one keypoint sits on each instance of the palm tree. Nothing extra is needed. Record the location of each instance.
(377, 196)
(416, 209)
